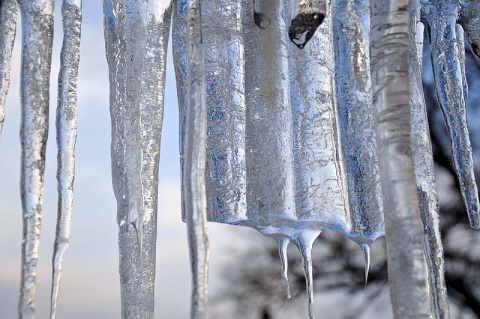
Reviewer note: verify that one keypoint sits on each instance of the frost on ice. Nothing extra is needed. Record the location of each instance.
(296, 117)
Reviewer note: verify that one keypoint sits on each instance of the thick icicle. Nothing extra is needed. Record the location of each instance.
(306, 16)
(441, 19)
(390, 47)
(269, 154)
(37, 21)
(282, 251)
(66, 136)
(136, 34)
(470, 20)
(194, 163)
(424, 172)
(261, 13)
(225, 97)
(356, 119)
(8, 25)
(304, 241)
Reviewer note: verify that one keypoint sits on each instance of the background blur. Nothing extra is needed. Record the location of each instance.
(244, 271)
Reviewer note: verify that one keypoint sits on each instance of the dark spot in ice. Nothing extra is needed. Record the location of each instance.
(303, 27)
(261, 20)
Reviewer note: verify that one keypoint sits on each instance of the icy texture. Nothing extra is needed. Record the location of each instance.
(282, 251)
(424, 172)
(441, 19)
(356, 118)
(194, 190)
(136, 37)
(8, 26)
(66, 136)
(37, 21)
(306, 16)
(390, 82)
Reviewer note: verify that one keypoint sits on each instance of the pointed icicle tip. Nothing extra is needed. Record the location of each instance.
(282, 250)
(304, 240)
(366, 253)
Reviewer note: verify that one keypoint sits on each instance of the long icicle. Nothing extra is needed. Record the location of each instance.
(194, 163)
(37, 21)
(390, 48)
(441, 20)
(66, 137)
(424, 172)
(8, 25)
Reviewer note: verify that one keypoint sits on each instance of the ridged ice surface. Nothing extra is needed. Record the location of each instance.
(66, 136)
(136, 37)
(37, 31)
(356, 118)
(441, 19)
(8, 27)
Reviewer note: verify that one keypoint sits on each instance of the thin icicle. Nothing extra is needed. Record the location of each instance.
(441, 20)
(8, 25)
(194, 163)
(366, 253)
(282, 251)
(306, 16)
(136, 37)
(37, 21)
(304, 241)
(66, 136)
(390, 82)
(424, 172)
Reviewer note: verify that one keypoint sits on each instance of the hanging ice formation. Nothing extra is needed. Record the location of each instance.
(294, 120)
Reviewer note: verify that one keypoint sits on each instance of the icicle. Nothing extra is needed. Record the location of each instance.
(424, 172)
(351, 23)
(194, 162)
(66, 137)
(304, 240)
(441, 20)
(470, 20)
(306, 16)
(136, 35)
(8, 25)
(269, 154)
(226, 110)
(366, 253)
(390, 82)
(37, 21)
(282, 250)
(261, 14)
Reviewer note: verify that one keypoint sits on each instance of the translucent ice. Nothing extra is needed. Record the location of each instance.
(66, 136)
(37, 35)
(136, 37)
(8, 25)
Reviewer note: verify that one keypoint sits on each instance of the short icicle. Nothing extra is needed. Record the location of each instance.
(282, 250)
(66, 137)
(304, 240)
(8, 25)
(366, 253)
(306, 16)
(37, 22)
(194, 163)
